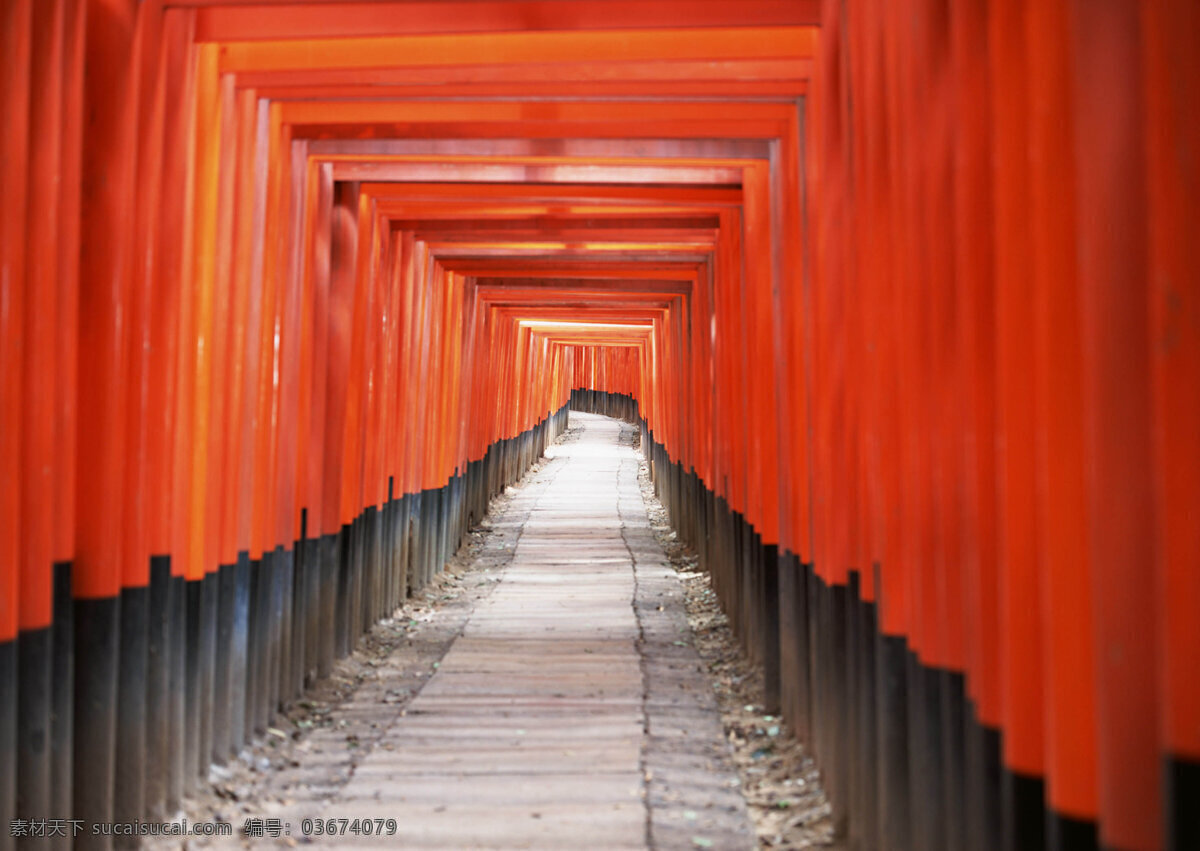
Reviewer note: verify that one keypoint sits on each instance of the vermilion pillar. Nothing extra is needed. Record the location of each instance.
(1110, 174)
(1066, 603)
(38, 479)
(974, 270)
(1019, 559)
(170, 390)
(110, 128)
(66, 402)
(14, 141)
(1171, 53)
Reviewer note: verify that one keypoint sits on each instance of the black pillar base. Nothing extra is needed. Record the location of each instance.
(34, 655)
(158, 674)
(238, 650)
(866, 814)
(954, 767)
(97, 636)
(274, 659)
(192, 677)
(983, 783)
(769, 608)
(8, 740)
(895, 800)
(1022, 801)
(210, 593)
(62, 718)
(1064, 833)
(226, 602)
(925, 755)
(129, 802)
(177, 597)
(327, 618)
(1183, 803)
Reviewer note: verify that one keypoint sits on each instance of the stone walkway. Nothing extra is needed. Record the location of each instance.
(571, 711)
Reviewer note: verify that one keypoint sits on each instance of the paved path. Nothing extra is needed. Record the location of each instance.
(571, 711)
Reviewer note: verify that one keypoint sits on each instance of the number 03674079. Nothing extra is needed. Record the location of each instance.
(343, 826)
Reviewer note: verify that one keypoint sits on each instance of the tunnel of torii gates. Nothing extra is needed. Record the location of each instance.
(903, 293)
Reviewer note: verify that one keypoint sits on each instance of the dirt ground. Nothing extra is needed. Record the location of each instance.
(779, 781)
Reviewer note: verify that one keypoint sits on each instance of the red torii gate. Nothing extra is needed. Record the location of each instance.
(921, 380)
